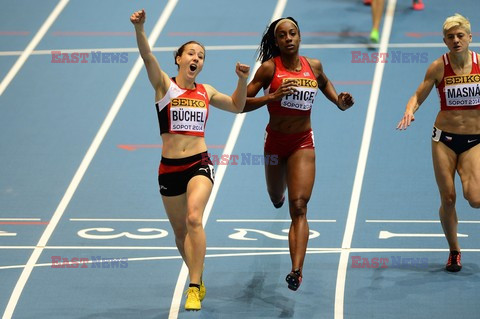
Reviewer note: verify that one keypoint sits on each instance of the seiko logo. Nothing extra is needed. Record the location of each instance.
(188, 102)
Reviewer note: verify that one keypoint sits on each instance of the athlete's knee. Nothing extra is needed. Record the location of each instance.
(474, 202)
(276, 191)
(277, 198)
(298, 206)
(448, 199)
(194, 218)
(472, 196)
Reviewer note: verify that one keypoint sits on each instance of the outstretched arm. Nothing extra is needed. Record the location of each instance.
(157, 77)
(236, 101)
(433, 75)
(343, 100)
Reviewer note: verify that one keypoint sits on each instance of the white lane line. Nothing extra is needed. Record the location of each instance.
(272, 220)
(385, 234)
(118, 219)
(322, 46)
(218, 220)
(232, 139)
(31, 46)
(270, 253)
(312, 249)
(150, 248)
(417, 221)
(115, 108)
(20, 219)
(7, 234)
(362, 162)
(273, 251)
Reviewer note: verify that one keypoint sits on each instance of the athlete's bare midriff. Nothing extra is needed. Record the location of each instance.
(459, 121)
(180, 145)
(289, 124)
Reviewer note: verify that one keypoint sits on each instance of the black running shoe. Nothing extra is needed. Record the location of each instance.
(454, 264)
(294, 279)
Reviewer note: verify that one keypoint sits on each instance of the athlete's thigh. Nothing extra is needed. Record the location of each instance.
(444, 166)
(199, 189)
(275, 173)
(176, 209)
(301, 174)
(469, 169)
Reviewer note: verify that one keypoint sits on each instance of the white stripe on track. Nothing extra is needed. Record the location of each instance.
(31, 46)
(20, 219)
(323, 46)
(417, 221)
(362, 163)
(115, 108)
(262, 252)
(232, 139)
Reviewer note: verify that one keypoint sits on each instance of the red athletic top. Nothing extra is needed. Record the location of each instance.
(183, 111)
(459, 92)
(297, 103)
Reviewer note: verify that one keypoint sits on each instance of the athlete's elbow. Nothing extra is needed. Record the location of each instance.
(238, 106)
(239, 109)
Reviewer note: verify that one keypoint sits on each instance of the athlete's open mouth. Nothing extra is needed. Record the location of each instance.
(193, 67)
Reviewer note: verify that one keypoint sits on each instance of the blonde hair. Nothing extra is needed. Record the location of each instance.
(454, 21)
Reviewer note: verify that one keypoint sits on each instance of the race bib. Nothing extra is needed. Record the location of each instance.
(187, 115)
(463, 90)
(302, 99)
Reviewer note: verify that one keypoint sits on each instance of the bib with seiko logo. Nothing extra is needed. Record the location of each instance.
(459, 92)
(183, 111)
(299, 102)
